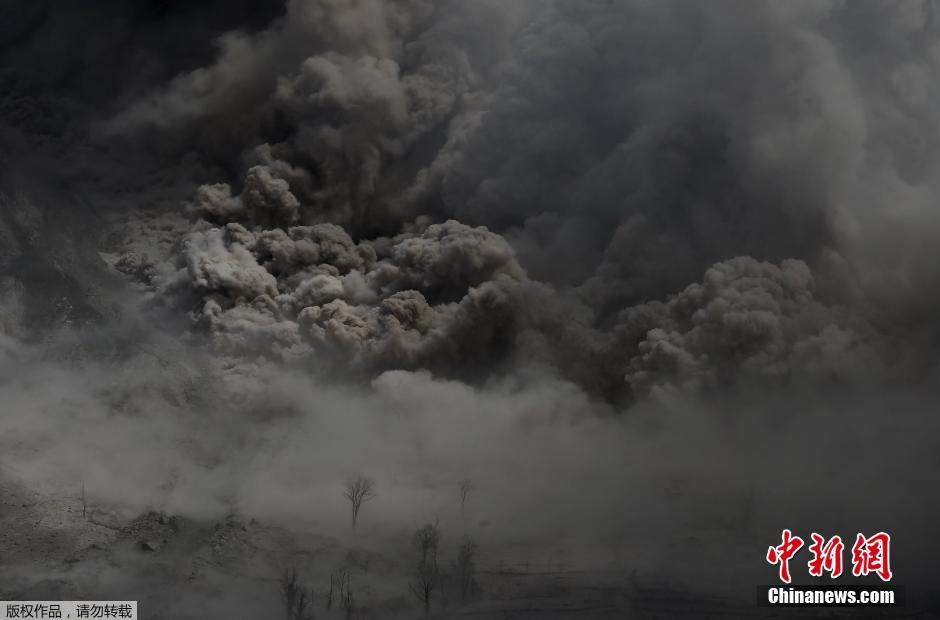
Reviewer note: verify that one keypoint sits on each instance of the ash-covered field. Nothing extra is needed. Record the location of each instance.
(404, 308)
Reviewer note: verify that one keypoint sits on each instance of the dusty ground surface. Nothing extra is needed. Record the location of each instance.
(179, 568)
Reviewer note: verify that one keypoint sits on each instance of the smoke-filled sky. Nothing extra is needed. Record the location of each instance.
(579, 250)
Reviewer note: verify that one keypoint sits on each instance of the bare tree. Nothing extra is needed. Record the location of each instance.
(466, 570)
(296, 597)
(339, 584)
(84, 501)
(465, 485)
(348, 603)
(444, 585)
(302, 603)
(427, 576)
(426, 540)
(358, 490)
(425, 583)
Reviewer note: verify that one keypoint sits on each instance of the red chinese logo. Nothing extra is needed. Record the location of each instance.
(827, 556)
(783, 553)
(872, 555)
(869, 555)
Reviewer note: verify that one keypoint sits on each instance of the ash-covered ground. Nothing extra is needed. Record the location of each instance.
(599, 296)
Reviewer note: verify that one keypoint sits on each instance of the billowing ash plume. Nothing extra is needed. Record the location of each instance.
(409, 301)
(438, 185)
(747, 320)
(631, 195)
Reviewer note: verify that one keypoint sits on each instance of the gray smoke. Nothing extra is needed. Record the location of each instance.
(311, 290)
(615, 153)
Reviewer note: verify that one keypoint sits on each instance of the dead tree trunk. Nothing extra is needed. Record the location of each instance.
(359, 490)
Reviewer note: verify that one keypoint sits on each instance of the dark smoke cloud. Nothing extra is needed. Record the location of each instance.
(93, 54)
(622, 150)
